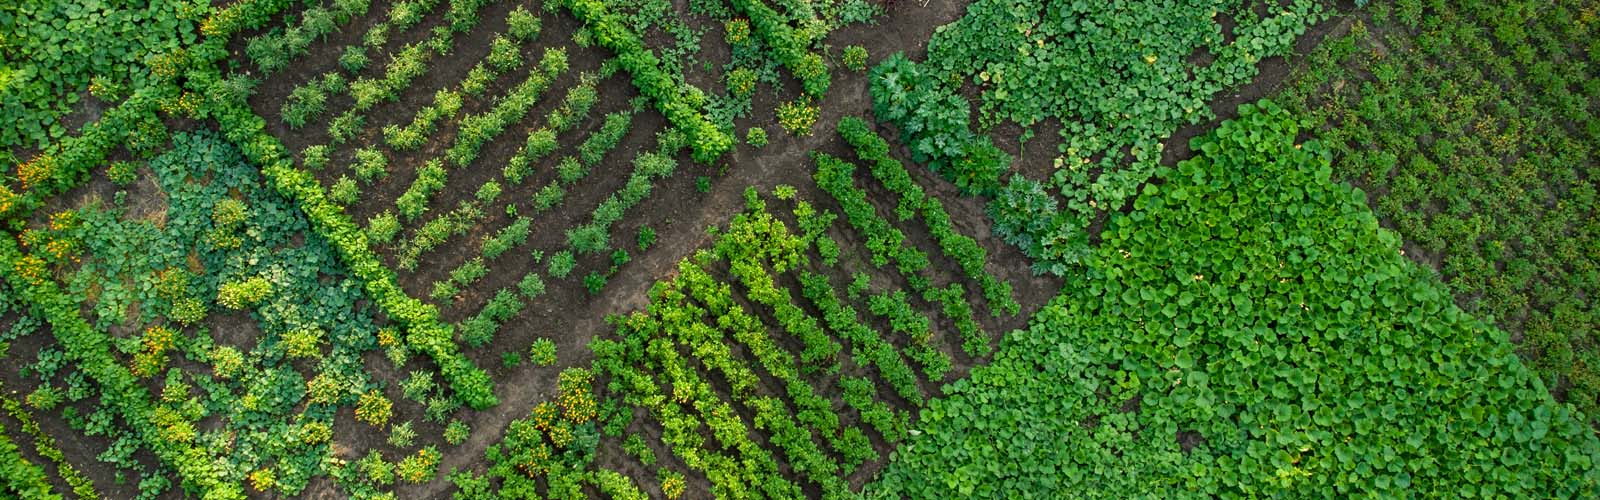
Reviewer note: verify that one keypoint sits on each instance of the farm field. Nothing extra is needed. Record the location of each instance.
(831, 249)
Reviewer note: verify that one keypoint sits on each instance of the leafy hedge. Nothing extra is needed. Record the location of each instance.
(707, 141)
(1249, 329)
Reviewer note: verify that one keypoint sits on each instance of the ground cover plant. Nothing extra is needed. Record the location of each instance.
(778, 248)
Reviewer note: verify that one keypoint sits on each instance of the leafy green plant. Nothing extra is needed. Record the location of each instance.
(756, 136)
(854, 58)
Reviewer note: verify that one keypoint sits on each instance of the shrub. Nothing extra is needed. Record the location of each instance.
(371, 165)
(344, 191)
(702, 184)
(741, 82)
(531, 286)
(522, 25)
(457, 432)
(504, 55)
(304, 342)
(797, 117)
(379, 471)
(229, 213)
(354, 58)
(345, 127)
(443, 291)
(542, 352)
(588, 238)
(594, 281)
(122, 173)
(304, 103)
(401, 435)
(245, 293)
(561, 264)
(756, 136)
(313, 158)
(421, 467)
(510, 360)
(488, 192)
(854, 58)
(382, 228)
(647, 237)
(374, 408)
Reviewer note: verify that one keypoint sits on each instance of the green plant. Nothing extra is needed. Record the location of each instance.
(122, 173)
(401, 435)
(797, 117)
(542, 352)
(756, 136)
(344, 191)
(702, 184)
(353, 59)
(382, 228)
(456, 433)
(647, 237)
(510, 360)
(854, 58)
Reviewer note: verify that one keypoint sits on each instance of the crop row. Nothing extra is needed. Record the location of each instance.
(45, 446)
(275, 50)
(888, 243)
(707, 141)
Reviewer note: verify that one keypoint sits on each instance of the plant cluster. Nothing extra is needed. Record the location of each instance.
(1119, 79)
(1255, 309)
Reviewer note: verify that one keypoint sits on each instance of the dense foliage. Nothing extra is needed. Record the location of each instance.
(1249, 329)
(1476, 127)
(1118, 77)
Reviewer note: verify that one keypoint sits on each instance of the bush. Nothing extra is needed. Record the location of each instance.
(522, 25)
(245, 293)
(314, 157)
(647, 237)
(756, 136)
(401, 436)
(122, 173)
(344, 191)
(797, 117)
(854, 58)
(594, 281)
(548, 197)
(457, 432)
(504, 55)
(304, 103)
(531, 286)
(374, 408)
(741, 82)
(488, 192)
(354, 58)
(542, 352)
(561, 264)
(510, 360)
(382, 228)
(371, 165)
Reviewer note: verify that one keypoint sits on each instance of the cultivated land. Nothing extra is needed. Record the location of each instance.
(798, 248)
